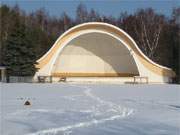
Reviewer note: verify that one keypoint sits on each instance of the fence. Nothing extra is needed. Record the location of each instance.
(20, 79)
(43, 79)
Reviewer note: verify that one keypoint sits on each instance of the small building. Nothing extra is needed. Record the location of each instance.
(2, 74)
(99, 52)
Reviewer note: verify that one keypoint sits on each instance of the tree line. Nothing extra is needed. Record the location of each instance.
(26, 37)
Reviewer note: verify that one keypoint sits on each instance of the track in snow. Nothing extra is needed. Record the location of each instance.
(103, 108)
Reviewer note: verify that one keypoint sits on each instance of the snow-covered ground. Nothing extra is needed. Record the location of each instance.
(74, 109)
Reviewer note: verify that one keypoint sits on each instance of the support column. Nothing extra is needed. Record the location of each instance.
(3, 75)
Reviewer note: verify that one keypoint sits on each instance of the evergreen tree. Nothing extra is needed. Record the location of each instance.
(175, 42)
(19, 54)
(5, 24)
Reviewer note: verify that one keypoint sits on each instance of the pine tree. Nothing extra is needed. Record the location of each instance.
(19, 54)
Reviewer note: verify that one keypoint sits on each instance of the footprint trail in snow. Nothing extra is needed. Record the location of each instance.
(102, 112)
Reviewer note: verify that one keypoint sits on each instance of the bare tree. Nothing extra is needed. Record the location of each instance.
(148, 29)
(93, 16)
(66, 21)
(81, 13)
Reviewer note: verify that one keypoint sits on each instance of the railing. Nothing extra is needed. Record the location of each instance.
(49, 79)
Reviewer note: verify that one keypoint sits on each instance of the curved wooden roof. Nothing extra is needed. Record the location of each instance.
(152, 66)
